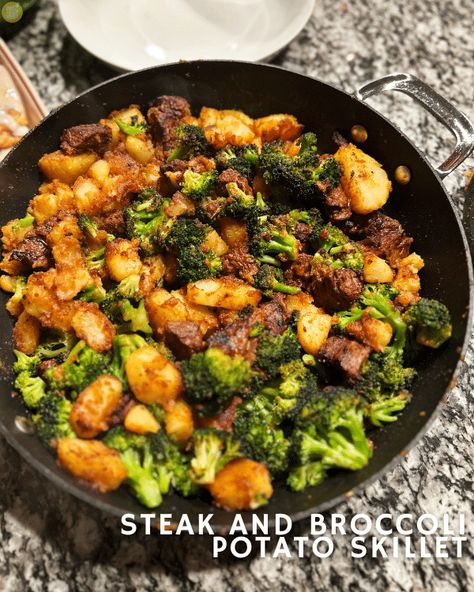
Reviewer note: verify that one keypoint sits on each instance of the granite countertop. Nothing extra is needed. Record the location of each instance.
(51, 541)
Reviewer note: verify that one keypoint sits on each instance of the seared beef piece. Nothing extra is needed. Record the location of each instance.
(302, 233)
(345, 355)
(234, 338)
(224, 420)
(164, 115)
(338, 205)
(112, 222)
(45, 228)
(232, 176)
(125, 405)
(238, 261)
(299, 273)
(335, 289)
(85, 138)
(275, 316)
(32, 253)
(184, 338)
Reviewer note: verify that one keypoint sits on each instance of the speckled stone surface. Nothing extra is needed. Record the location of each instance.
(50, 541)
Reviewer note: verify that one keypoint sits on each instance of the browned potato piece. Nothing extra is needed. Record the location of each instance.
(223, 292)
(363, 179)
(52, 198)
(376, 270)
(153, 378)
(280, 126)
(407, 279)
(26, 333)
(141, 420)
(370, 331)
(298, 301)
(88, 196)
(91, 325)
(226, 127)
(93, 462)
(95, 404)
(313, 328)
(179, 421)
(58, 165)
(234, 232)
(122, 259)
(140, 149)
(215, 244)
(243, 484)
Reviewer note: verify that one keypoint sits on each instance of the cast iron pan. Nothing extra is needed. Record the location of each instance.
(422, 206)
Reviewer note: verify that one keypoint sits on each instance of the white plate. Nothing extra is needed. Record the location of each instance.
(134, 34)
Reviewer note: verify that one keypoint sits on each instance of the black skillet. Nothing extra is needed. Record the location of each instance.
(423, 207)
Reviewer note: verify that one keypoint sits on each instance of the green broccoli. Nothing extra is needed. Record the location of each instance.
(51, 419)
(430, 322)
(212, 450)
(337, 251)
(134, 128)
(93, 293)
(23, 223)
(274, 351)
(57, 346)
(384, 409)
(136, 316)
(243, 159)
(307, 475)
(198, 185)
(269, 279)
(17, 296)
(190, 142)
(270, 242)
(31, 388)
(122, 346)
(175, 462)
(95, 260)
(186, 241)
(130, 287)
(212, 378)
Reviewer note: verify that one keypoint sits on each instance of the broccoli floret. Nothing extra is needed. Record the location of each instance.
(274, 351)
(430, 322)
(148, 480)
(51, 419)
(186, 241)
(308, 475)
(241, 205)
(212, 450)
(212, 378)
(95, 259)
(146, 220)
(22, 223)
(270, 242)
(130, 287)
(122, 346)
(327, 174)
(384, 410)
(243, 159)
(134, 128)
(82, 366)
(269, 279)
(136, 316)
(31, 388)
(198, 185)
(93, 293)
(330, 430)
(191, 142)
(55, 347)
(15, 299)
(337, 251)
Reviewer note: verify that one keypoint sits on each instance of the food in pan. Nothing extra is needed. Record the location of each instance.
(209, 304)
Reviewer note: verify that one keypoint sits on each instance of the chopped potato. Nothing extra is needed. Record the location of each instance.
(91, 325)
(233, 232)
(298, 301)
(122, 259)
(225, 292)
(214, 244)
(153, 378)
(243, 484)
(363, 179)
(373, 332)
(226, 127)
(313, 328)
(26, 333)
(93, 462)
(52, 198)
(88, 195)
(65, 168)
(94, 406)
(280, 126)
(139, 149)
(99, 171)
(141, 420)
(376, 270)
(179, 421)
(407, 280)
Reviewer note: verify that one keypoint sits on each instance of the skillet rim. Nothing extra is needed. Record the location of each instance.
(104, 506)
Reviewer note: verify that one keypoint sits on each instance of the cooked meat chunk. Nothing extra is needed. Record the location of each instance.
(299, 273)
(232, 176)
(338, 205)
(386, 238)
(32, 253)
(303, 232)
(224, 420)
(90, 137)
(275, 315)
(346, 355)
(234, 338)
(335, 289)
(163, 116)
(112, 222)
(238, 261)
(184, 338)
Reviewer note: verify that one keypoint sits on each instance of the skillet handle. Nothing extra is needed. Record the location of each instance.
(457, 123)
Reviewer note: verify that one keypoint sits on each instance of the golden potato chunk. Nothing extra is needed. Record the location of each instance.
(26, 333)
(407, 279)
(313, 328)
(363, 179)
(243, 484)
(140, 149)
(141, 420)
(179, 423)
(94, 406)
(91, 325)
(153, 378)
(214, 244)
(122, 259)
(370, 331)
(226, 127)
(92, 462)
(376, 270)
(65, 168)
(52, 198)
(225, 292)
(233, 232)
(298, 301)
(279, 126)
